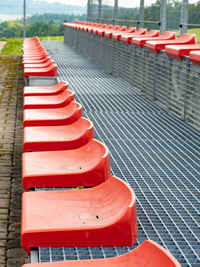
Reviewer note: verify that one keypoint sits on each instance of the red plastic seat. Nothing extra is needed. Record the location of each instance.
(140, 41)
(178, 51)
(47, 138)
(34, 51)
(34, 61)
(86, 27)
(33, 48)
(84, 166)
(37, 59)
(195, 57)
(101, 32)
(148, 254)
(42, 53)
(50, 101)
(117, 36)
(127, 37)
(93, 29)
(50, 71)
(35, 54)
(156, 46)
(45, 90)
(104, 215)
(109, 33)
(39, 64)
(54, 116)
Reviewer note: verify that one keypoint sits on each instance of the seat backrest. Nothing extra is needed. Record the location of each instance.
(109, 26)
(118, 194)
(153, 33)
(151, 254)
(122, 28)
(168, 35)
(131, 29)
(141, 31)
(115, 27)
(188, 37)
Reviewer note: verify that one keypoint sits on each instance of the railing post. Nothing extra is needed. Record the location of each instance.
(115, 11)
(186, 86)
(184, 17)
(24, 18)
(99, 10)
(88, 10)
(141, 15)
(163, 14)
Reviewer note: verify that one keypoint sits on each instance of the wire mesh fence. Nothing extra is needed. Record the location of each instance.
(172, 83)
(168, 15)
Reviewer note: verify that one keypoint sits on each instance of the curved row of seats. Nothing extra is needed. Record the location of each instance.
(36, 61)
(60, 151)
(175, 47)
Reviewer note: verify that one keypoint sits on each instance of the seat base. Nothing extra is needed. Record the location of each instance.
(52, 138)
(104, 215)
(85, 166)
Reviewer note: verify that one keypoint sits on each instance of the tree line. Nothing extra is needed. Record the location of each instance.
(40, 25)
(152, 15)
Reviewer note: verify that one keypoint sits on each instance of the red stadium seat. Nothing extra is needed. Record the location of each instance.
(85, 166)
(50, 71)
(148, 254)
(109, 33)
(54, 116)
(50, 101)
(117, 36)
(45, 90)
(104, 215)
(140, 41)
(47, 138)
(127, 37)
(156, 46)
(178, 51)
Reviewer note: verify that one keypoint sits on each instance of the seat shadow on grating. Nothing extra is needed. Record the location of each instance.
(155, 152)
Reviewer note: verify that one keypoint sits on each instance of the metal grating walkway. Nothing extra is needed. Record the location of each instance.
(155, 152)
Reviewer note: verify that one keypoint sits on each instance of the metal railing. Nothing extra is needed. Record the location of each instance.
(168, 15)
(173, 84)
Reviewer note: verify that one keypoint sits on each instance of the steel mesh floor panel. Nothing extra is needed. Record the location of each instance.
(155, 152)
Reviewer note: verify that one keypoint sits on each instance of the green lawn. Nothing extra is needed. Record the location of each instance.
(13, 47)
(52, 38)
(197, 32)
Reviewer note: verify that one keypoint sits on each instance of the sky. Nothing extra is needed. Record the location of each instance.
(124, 3)
(128, 3)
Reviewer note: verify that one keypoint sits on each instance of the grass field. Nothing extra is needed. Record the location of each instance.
(52, 38)
(197, 32)
(13, 47)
